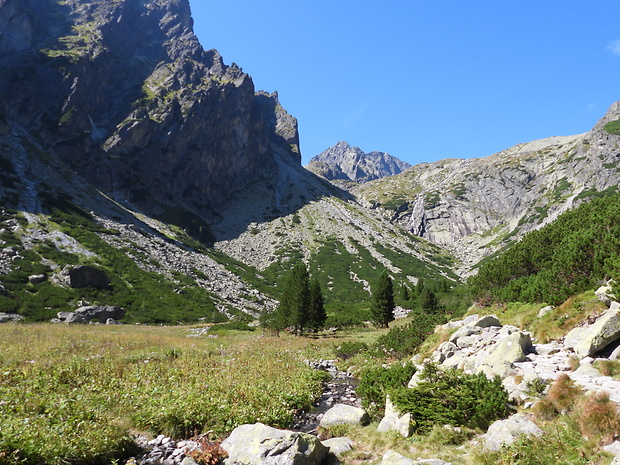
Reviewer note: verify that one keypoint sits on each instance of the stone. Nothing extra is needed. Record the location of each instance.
(10, 317)
(487, 321)
(93, 313)
(394, 458)
(259, 444)
(545, 311)
(188, 461)
(605, 294)
(615, 355)
(616, 460)
(84, 276)
(393, 420)
(341, 414)
(464, 332)
(613, 448)
(588, 340)
(37, 278)
(502, 356)
(338, 446)
(504, 432)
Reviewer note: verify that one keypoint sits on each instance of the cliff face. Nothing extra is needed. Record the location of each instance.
(343, 162)
(474, 207)
(124, 94)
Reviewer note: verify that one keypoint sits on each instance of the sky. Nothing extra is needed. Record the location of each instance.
(424, 79)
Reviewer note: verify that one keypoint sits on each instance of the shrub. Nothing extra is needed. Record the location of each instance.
(348, 349)
(563, 394)
(376, 383)
(453, 398)
(598, 416)
(404, 340)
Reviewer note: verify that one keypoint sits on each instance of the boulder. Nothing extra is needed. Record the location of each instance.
(444, 351)
(588, 340)
(464, 332)
(36, 278)
(394, 458)
(545, 311)
(259, 444)
(395, 421)
(487, 321)
(341, 414)
(504, 432)
(500, 358)
(84, 276)
(10, 317)
(93, 313)
(605, 294)
(338, 446)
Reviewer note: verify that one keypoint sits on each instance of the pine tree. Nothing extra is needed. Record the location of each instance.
(428, 301)
(317, 315)
(382, 307)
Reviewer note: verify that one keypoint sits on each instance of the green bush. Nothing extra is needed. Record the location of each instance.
(376, 383)
(402, 341)
(348, 349)
(452, 398)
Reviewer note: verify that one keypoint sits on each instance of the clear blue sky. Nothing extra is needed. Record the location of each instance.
(424, 79)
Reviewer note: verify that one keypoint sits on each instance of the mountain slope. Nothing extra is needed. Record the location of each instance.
(343, 162)
(475, 207)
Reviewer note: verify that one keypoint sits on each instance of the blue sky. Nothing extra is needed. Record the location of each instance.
(424, 80)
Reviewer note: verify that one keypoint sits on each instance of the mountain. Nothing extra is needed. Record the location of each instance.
(124, 94)
(476, 207)
(343, 162)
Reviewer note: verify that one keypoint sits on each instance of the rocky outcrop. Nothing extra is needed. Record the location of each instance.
(588, 340)
(476, 206)
(84, 276)
(101, 314)
(343, 162)
(259, 444)
(128, 98)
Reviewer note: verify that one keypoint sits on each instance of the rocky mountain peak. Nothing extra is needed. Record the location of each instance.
(344, 162)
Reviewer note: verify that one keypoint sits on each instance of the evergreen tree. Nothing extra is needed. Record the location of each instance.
(404, 293)
(419, 286)
(317, 315)
(382, 307)
(428, 301)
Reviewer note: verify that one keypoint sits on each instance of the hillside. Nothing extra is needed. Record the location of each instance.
(475, 207)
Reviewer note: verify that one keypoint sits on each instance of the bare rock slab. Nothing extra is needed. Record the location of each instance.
(341, 414)
(259, 444)
(587, 341)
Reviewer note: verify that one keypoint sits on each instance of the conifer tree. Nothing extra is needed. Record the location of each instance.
(382, 306)
(317, 315)
(428, 301)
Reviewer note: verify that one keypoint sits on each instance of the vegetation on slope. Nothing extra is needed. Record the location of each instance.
(578, 251)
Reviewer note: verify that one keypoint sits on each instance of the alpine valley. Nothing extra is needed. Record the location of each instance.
(126, 146)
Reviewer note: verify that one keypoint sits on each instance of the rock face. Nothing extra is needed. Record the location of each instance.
(350, 163)
(128, 98)
(475, 206)
(259, 444)
(85, 276)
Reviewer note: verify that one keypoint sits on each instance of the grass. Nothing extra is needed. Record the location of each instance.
(76, 394)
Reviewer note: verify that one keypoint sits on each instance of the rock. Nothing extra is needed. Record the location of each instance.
(84, 276)
(500, 359)
(341, 414)
(464, 332)
(444, 351)
(10, 317)
(338, 446)
(37, 278)
(188, 461)
(545, 311)
(504, 432)
(615, 355)
(588, 340)
(487, 321)
(586, 369)
(613, 448)
(605, 294)
(93, 313)
(616, 460)
(394, 458)
(259, 444)
(395, 421)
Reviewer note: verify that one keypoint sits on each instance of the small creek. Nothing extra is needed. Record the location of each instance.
(339, 390)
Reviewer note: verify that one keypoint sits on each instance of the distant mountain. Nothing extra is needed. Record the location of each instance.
(343, 162)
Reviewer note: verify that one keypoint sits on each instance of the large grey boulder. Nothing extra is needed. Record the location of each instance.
(395, 421)
(605, 294)
(588, 340)
(487, 321)
(259, 444)
(93, 313)
(84, 276)
(338, 446)
(504, 432)
(341, 414)
(499, 360)
(10, 317)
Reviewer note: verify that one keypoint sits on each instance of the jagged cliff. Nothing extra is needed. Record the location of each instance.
(474, 207)
(124, 94)
(343, 162)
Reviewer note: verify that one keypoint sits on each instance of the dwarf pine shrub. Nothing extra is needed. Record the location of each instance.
(376, 383)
